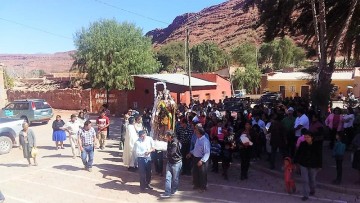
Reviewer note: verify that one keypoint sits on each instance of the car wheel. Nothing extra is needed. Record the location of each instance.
(5, 145)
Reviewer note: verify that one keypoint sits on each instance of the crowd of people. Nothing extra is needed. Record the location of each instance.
(208, 134)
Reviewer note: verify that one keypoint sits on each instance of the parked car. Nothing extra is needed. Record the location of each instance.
(9, 130)
(30, 110)
(240, 93)
(270, 97)
(236, 104)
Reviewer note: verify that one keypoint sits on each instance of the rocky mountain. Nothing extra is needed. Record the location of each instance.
(21, 64)
(226, 24)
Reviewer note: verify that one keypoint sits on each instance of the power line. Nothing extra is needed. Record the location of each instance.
(35, 28)
(132, 12)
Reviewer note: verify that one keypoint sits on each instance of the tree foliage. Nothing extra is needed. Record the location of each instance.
(37, 73)
(245, 54)
(172, 56)
(248, 79)
(281, 53)
(8, 81)
(111, 52)
(329, 24)
(207, 57)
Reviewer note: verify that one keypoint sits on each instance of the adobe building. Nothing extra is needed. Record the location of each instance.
(3, 95)
(207, 86)
(292, 83)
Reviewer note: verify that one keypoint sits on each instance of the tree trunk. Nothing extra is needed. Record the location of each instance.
(321, 92)
(339, 38)
(316, 29)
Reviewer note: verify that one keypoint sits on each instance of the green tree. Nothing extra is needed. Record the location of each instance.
(111, 52)
(172, 56)
(281, 53)
(37, 73)
(9, 81)
(207, 57)
(248, 79)
(245, 54)
(327, 24)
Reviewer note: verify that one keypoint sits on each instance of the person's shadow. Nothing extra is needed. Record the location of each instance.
(15, 165)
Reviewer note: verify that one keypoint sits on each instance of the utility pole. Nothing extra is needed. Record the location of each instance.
(187, 60)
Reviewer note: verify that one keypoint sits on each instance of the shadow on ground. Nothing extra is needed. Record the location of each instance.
(68, 168)
(15, 165)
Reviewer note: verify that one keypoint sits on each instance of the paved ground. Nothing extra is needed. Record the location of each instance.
(59, 178)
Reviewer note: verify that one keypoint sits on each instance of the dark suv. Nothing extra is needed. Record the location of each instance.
(270, 97)
(30, 110)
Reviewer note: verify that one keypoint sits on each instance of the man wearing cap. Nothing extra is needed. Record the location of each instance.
(201, 154)
(73, 127)
(173, 165)
(288, 123)
(143, 148)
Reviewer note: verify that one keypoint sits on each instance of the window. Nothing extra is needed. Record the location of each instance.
(22, 106)
(42, 105)
(10, 106)
(292, 89)
(207, 96)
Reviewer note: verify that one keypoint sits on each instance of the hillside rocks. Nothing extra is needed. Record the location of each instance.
(21, 64)
(226, 24)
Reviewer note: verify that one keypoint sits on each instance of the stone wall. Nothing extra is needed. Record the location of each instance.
(118, 101)
(67, 99)
(73, 99)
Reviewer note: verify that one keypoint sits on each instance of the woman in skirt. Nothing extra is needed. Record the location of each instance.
(58, 134)
(27, 141)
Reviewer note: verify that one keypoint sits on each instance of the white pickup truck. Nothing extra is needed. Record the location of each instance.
(9, 130)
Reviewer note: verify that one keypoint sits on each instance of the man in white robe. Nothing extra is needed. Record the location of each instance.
(131, 136)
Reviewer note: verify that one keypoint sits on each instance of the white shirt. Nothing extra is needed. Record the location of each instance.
(244, 139)
(303, 121)
(260, 122)
(142, 146)
(72, 127)
(349, 120)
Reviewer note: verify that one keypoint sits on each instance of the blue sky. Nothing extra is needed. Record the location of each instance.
(58, 20)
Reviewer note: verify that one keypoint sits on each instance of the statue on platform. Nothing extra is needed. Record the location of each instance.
(163, 113)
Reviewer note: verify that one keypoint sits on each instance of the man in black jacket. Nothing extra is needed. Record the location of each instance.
(173, 166)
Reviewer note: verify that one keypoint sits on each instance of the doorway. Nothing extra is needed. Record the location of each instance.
(305, 90)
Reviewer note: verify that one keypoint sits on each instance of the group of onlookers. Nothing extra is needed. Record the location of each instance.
(292, 128)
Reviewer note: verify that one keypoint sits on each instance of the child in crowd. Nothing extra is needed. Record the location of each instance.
(215, 153)
(226, 158)
(289, 168)
(338, 154)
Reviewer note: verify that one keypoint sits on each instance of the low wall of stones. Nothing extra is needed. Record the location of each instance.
(67, 99)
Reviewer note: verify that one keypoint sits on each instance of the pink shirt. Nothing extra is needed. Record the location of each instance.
(300, 140)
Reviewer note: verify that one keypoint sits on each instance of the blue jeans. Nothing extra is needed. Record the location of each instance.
(88, 151)
(172, 177)
(144, 171)
(309, 177)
